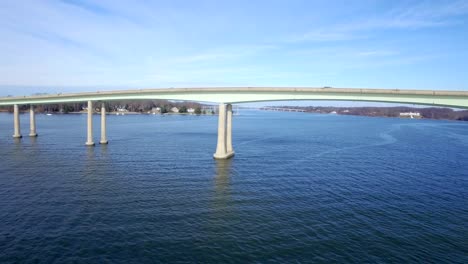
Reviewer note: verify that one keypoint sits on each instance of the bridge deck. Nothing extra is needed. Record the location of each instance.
(255, 94)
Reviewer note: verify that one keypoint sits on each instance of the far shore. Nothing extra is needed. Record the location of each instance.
(108, 113)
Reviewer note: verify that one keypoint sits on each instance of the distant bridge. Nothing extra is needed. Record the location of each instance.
(228, 96)
(282, 109)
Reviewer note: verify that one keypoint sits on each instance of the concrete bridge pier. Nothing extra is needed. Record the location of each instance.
(32, 122)
(103, 125)
(16, 121)
(229, 148)
(90, 141)
(224, 146)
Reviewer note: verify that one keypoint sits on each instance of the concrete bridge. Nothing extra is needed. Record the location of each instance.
(226, 97)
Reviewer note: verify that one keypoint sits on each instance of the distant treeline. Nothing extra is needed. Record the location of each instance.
(130, 105)
(431, 112)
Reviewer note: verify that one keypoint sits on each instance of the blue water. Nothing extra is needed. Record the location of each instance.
(301, 188)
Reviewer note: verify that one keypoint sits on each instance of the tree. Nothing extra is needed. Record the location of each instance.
(183, 109)
(68, 108)
(198, 111)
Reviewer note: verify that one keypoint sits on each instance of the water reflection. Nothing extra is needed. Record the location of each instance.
(90, 154)
(222, 203)
(18, 151)
(222, 194)
(222, 178)
(17, 141)
(104, 150)
(33, 141)
(90, 165)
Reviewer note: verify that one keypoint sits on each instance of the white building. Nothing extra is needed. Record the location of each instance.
(191, 110)
(410, 115)
(175, 109)
(122, 110)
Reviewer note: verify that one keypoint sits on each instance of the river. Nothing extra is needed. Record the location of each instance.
(302, 187)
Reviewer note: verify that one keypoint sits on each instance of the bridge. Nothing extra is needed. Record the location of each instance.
(227, 96)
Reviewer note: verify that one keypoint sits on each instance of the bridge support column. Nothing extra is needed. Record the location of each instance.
(32, 122)
(221, 148)
(103, 125)
(16, 121)
(90, 141)
(229, 130)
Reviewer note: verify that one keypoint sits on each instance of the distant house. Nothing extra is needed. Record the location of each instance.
(191, 110)
(410, 115)
(175, 109)
(156, 110)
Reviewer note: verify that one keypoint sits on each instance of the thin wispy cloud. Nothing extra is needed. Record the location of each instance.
(408, 17)
(376, 53)
(225, 54)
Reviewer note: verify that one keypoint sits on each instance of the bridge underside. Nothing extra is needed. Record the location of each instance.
(246, 95)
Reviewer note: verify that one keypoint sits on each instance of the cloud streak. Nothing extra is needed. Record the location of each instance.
(423, 15)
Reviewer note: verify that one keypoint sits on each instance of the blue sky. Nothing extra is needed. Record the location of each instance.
(86, 45)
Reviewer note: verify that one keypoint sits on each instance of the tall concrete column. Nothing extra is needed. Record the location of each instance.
(32, 122)
(229, 130)
(90, 141)
(103, 125)
(221, 148)
(16, 120)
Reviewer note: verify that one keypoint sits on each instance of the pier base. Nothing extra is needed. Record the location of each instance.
(223, 156)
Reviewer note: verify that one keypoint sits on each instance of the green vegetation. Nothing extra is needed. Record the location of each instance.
(138, 106)
(427, 112)
(183, 109)
(67, 109)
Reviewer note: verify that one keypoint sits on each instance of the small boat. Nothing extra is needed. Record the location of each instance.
(49, 114)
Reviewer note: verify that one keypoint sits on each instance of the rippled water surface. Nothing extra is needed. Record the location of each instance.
(302, 187)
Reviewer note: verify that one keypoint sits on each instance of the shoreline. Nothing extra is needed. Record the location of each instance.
(108, 113)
